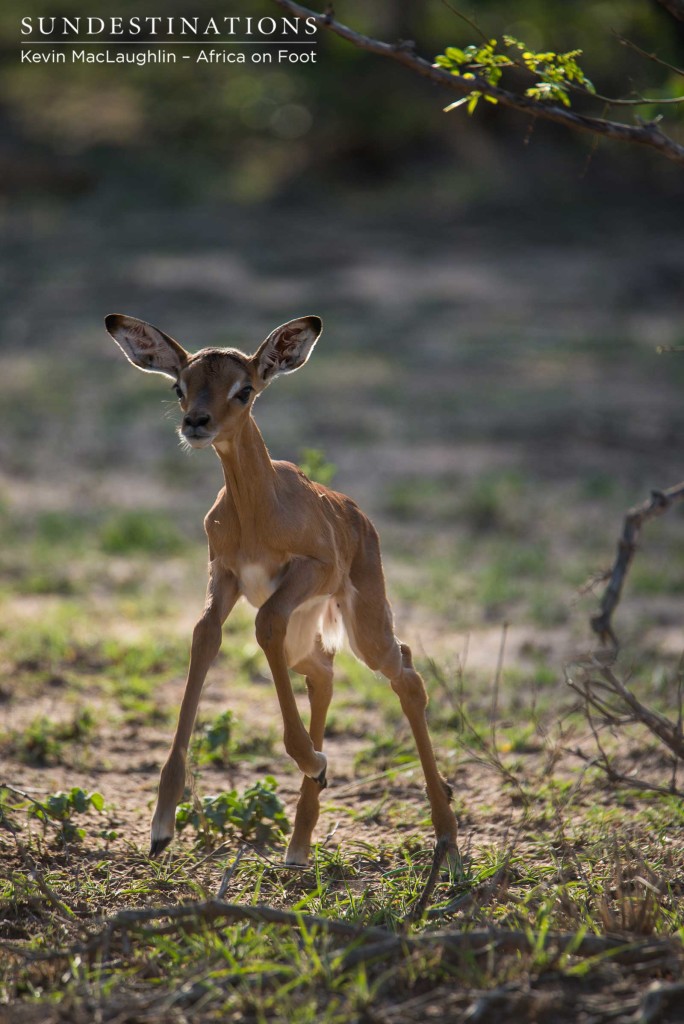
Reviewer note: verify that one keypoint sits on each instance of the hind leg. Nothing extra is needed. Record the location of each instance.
(409, 687)
(370, 628)
(317, 668)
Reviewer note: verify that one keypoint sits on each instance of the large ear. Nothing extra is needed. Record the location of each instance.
(146, 346)
(288, 347)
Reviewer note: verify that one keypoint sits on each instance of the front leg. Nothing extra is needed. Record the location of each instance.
(304, 578)
(222, 593)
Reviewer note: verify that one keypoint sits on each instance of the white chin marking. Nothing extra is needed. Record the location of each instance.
(197, 442)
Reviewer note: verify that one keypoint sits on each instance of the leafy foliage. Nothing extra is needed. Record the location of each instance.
(555, 74)
(314, 464)
(257, 814)
(41, 742)
(60, 807)
(216, 743)
(129, 532)
(8, 807)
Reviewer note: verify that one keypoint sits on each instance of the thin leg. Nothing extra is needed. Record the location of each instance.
(319, 676)
(305, 578)
(368, 619)
(222, 593)
(409, 687)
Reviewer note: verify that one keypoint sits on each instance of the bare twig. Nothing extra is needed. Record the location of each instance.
(643, 134)
(674, 7)
(27, 796)
(469, 21)
(604, 763)
(605, 695)
(65, 912)
(657, 504)
(229, 872)
(649, 56)
(591, 689)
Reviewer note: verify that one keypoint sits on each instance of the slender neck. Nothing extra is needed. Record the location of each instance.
(248, 471)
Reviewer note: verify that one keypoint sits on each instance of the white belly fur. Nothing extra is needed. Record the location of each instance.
(317, 616)
(256, 585)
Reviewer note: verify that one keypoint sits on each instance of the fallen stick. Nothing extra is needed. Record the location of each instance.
(364, 943)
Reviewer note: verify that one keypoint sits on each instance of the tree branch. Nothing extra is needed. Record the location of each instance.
(674, 7)
(657, 504)
(644, 134)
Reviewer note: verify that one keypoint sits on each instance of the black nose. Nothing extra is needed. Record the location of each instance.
(194, 420)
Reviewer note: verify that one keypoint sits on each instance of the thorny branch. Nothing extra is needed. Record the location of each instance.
(648, 134)
(657, 504)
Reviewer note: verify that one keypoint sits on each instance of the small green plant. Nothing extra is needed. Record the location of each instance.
(60, 807)
(216, 742)
(41, 743)
(256, 815)
(554, 75)
(8, 807)
(53, 528)
(314, 464)
(131, 532)
(494, 503)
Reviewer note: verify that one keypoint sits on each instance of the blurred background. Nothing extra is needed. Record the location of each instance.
(493, 292)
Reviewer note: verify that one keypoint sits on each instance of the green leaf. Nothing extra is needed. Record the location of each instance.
(57, 806)
(97, 800)
(79, 800)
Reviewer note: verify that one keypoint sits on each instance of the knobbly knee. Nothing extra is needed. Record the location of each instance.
(207, 633)
(270, 628)
(410, 689)
(297, 744)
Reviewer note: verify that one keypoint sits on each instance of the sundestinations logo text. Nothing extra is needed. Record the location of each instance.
(167, 26)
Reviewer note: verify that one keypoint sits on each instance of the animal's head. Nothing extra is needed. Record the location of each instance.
(215, 387)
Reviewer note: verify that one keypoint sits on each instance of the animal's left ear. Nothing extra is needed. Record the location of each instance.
(288, 347)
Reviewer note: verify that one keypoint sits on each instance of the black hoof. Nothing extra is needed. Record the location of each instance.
(158, 846)
(321, 779)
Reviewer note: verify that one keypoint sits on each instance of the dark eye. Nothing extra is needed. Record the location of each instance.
(178, 391)
(244, 393)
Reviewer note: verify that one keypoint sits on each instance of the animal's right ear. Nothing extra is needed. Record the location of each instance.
(146, 346)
